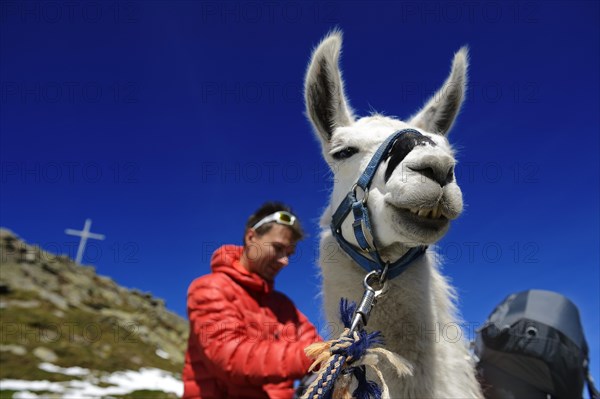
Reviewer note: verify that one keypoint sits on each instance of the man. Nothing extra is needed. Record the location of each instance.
(246, 339)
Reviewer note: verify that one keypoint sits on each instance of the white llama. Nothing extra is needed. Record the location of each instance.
(411, 201)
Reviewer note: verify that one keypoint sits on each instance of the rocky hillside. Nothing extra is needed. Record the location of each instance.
(66, 331)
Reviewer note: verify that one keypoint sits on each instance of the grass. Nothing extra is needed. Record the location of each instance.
(13, 367)
(79, 338)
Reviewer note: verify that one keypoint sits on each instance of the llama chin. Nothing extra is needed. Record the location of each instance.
(413, 198)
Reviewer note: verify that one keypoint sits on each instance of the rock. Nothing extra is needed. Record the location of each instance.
(14, 349)
(63, 259)
(45, 354)
(22, 304)
(31, 254)
(7, 235)
(4, 288)
(53, 269)
(157, 302)
(123, 317)
(55, 299)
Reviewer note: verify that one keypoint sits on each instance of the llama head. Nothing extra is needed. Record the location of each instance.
(414, 194)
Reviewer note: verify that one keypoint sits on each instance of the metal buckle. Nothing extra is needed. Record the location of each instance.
(361, 315)
(365, 193)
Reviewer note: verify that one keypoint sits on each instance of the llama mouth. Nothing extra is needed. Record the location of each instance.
(428, 213)
(429, 218)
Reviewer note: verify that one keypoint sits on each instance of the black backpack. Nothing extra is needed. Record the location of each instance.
(533, 346)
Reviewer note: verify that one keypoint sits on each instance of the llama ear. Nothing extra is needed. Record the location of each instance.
(441, 110)
(326, 104)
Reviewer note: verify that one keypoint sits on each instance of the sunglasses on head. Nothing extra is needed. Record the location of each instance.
(281, 217)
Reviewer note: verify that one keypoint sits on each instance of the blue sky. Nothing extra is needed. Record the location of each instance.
(168, 123)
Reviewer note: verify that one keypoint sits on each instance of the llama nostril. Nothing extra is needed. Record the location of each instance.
(441, 177)
(449, 176)
(427, 172)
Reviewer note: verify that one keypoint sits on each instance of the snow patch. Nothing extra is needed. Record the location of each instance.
(123, 382)
(21, 385)
(25, 395)
(75, 371)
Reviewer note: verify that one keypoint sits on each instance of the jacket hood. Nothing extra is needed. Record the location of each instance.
(226, 260)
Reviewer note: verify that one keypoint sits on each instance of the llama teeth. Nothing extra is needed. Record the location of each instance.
(429, 213)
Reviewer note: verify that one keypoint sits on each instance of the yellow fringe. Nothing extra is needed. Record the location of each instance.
(320, 352)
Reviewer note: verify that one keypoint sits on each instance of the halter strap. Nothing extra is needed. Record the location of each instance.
(361, 226)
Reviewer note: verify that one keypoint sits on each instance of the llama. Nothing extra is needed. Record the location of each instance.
(411, 201)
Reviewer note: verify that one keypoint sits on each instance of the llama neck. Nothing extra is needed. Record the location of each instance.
(410, 314)
(417, 318)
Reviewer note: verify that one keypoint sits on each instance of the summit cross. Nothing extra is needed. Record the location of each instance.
(84, 234)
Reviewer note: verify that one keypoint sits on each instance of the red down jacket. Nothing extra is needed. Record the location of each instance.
(246, 340)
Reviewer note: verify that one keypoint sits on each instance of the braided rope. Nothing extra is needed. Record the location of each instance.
(337, 356)
(348, 356)
(331, 368)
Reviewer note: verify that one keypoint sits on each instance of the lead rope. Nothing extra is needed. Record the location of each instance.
(348, 356)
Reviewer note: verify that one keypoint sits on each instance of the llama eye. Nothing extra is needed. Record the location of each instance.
(345, 153)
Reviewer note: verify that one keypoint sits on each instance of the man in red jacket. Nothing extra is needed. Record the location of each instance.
(246, 339)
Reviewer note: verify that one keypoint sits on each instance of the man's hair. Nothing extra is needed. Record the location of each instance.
(265, 210)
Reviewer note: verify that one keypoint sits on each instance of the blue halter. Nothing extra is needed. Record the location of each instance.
(362, 225)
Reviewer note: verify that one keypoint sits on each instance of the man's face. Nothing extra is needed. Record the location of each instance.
(269, 253)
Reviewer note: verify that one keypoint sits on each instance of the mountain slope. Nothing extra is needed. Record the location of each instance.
(66, 325)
